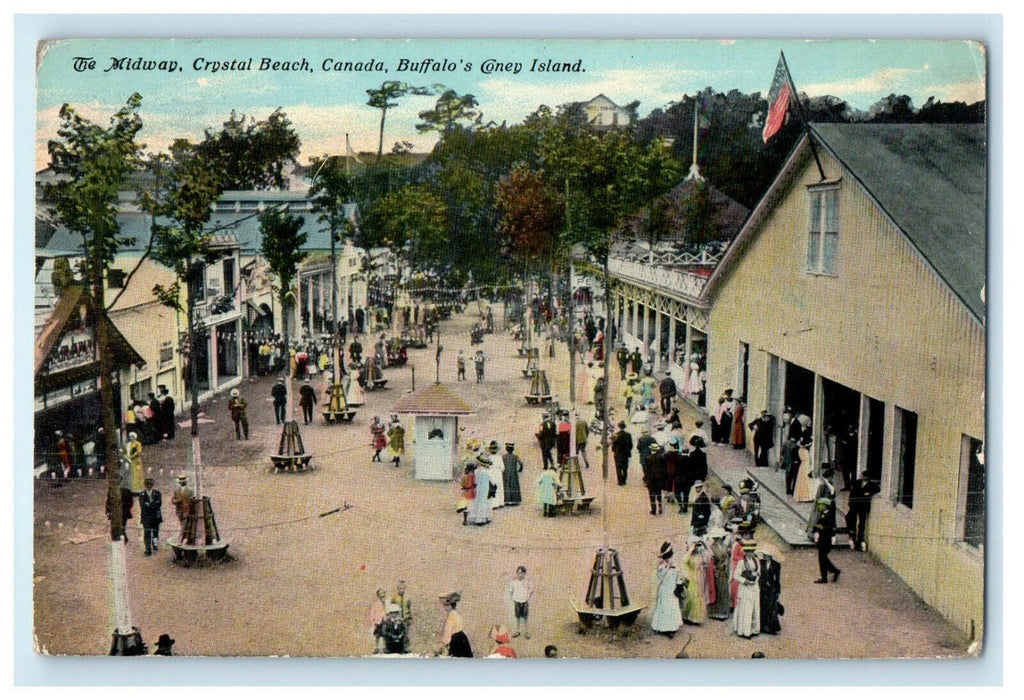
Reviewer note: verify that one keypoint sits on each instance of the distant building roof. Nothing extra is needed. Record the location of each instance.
(235, 213)
(730, 214)
(930, 179)
(434, 400)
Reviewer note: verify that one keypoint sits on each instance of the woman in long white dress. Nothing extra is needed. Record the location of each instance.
(480, 510)
(746, 620)
(497, 472)
(353, 392)
(666, 618)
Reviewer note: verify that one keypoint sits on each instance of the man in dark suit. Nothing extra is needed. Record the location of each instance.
(654, 477)
(701, 510)
(622, 448)
(151, 505)
(547, 437)
(860, 507)
(824, 531)
(167, 412)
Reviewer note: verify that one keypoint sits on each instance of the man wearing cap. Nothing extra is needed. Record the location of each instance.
(237, 407)
(582, 433)
(824, 529)
(307, 399)
(182, 500)
(280, 394)
(644, 445)
(654, 477)
(764, 437)
(860, 508)
(150, 505)
(701, 509)
(166, 412)
(667, 390)
(674, 465)
(394, 630)
(546, 437)
(622, 448)
(622, 357)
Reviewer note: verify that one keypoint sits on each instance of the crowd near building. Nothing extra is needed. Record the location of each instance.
(852, 295)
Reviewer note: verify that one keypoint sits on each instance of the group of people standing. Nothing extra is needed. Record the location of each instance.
(723, 576)
(488, 481)
(153, 419)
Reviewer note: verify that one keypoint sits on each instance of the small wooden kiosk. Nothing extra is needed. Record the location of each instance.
(436, 434)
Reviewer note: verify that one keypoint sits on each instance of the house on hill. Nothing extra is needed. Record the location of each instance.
(858, 300)
(603, 114)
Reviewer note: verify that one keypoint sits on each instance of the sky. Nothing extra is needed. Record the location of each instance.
(183, 94)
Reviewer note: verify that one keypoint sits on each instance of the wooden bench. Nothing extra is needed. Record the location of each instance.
(588, 616)
(375, 384)
(189, 554)
(535, 400)
(339, 416)
(291, 463)
(575, 505)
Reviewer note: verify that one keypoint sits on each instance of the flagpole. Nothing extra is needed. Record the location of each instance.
(803, 117)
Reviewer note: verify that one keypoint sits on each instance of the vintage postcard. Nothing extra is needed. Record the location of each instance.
(495, 348)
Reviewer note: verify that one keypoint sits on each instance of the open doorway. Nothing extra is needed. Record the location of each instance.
(841, 418)
(799, 393)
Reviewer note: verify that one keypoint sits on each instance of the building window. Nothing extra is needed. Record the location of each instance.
(906, 457)
(166, 353)
(971, 501)
(823, 230)
(115, 278)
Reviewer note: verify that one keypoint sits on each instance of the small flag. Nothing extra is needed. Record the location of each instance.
(778, 100)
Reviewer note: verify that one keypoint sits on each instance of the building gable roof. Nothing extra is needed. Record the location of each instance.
(434, 400)
(929, 180)
(123, 354)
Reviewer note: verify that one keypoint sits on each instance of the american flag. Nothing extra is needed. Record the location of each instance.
(778, 100)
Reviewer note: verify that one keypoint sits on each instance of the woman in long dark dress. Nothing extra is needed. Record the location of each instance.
(513, 465)
(771, 587)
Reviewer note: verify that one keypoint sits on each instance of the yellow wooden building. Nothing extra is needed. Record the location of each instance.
(858, 299)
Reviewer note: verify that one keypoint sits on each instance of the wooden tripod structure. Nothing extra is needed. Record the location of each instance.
(338, 410)
(540, 389)
(291, 455)
(532, 357)
(606, 595)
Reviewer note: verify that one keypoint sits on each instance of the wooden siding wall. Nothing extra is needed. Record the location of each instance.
(887, 327)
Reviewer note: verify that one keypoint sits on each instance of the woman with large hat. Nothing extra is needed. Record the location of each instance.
(453, 638)
(746, 619)
(666, 617)
(133, 454)
(480, 510)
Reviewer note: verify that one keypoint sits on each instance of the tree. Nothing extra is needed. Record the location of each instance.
(531, 214)
(93, 165)
(281, 247)
(451, 108)
(386, 97)
(415, 219)
(250, 154)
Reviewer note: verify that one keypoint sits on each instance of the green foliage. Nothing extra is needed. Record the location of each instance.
(93, 165)
(281, 248)
(169, 296)
(331, 188)
(450, 109)
(186, 187)
(412, 218)
(531, 214)
(251, 154)
(386, 97)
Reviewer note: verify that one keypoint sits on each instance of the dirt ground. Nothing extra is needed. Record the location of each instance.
(300, 584)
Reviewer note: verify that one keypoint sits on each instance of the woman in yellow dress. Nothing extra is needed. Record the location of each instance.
(806, 484)
(133, 453)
